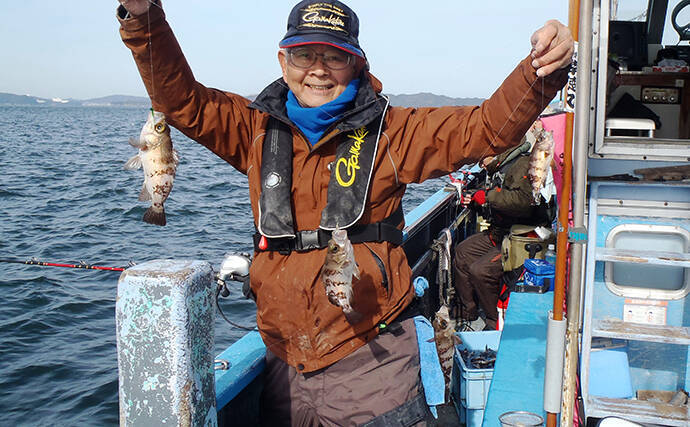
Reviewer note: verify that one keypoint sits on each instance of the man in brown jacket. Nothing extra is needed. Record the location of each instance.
(322, 148)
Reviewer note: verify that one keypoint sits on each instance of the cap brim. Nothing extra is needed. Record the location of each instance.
(316, 38)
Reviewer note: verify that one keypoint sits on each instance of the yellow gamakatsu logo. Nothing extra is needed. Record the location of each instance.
(351, 163)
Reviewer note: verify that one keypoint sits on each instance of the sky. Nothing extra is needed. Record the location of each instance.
(457, 48)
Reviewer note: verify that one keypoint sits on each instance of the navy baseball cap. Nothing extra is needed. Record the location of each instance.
(325, 22)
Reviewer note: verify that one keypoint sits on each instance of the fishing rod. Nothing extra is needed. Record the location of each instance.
(235, 267)
(82, 264)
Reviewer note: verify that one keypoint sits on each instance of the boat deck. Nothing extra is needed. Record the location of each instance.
(518, 379)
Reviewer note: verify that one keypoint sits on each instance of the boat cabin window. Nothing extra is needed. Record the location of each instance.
(648, 281)
(643, 80)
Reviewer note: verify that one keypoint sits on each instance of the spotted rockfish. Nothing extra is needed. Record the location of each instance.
(159, 160)
(540, 161)
(336, 274)
(446, 340)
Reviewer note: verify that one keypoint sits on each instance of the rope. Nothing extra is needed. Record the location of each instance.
(446, 291)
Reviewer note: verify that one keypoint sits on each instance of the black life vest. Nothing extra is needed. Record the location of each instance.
(348, 188)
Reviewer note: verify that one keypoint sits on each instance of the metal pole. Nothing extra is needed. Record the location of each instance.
(562, 241)
(164, 320)
(582, 126)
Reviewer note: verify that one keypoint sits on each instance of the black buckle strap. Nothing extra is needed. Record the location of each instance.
(377, 232)
(311, 239)
(306, 240)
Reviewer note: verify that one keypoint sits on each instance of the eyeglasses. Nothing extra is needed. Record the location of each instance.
(305, 57)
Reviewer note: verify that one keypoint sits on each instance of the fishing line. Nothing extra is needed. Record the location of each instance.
(153, 2)
(513, 112)
(148, 19)
(542, 92)
(220, 311)
(153, 83)
(222, 289)
(219, 289)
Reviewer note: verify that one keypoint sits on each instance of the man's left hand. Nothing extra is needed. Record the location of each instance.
(552, 48)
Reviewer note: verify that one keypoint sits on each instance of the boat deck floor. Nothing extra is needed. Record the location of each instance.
(518, 378)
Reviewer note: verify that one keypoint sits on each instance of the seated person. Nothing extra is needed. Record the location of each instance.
(506, 200)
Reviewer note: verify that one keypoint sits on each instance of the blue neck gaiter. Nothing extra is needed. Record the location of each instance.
(313, 122)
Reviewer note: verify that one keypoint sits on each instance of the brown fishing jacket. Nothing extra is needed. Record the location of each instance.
(294, 316)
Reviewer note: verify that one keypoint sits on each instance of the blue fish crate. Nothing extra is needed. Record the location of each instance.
(470, 387)
(469, 417)
(539, 275)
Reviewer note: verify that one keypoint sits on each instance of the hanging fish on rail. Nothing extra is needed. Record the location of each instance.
(446, 340)
(336, 274)
(159, 161)
(540, 160)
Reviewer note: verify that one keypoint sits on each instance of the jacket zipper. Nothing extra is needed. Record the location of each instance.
(382, 268)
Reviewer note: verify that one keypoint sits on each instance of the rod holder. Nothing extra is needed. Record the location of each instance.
(553, 375)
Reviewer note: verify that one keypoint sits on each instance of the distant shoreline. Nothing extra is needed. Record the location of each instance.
(424, 99)
(73, 105)
(9, 99)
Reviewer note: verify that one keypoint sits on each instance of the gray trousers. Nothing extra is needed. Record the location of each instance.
(376, 378)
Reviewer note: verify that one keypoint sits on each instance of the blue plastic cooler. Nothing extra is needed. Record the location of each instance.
(537, 271)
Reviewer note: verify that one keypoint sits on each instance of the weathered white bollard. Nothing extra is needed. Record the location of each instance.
(164, 315)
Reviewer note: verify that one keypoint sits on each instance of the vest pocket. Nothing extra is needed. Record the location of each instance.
(382, 268)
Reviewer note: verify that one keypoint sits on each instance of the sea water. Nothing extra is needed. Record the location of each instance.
(65, 197)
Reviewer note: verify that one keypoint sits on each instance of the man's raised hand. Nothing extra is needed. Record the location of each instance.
(552, 48)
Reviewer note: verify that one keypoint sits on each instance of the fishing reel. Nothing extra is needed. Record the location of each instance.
(459, 184)
(235, 267)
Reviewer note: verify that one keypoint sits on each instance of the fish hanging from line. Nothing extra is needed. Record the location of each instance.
(540, 160)
(336, 274)
(446, 340)
(159, 161)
